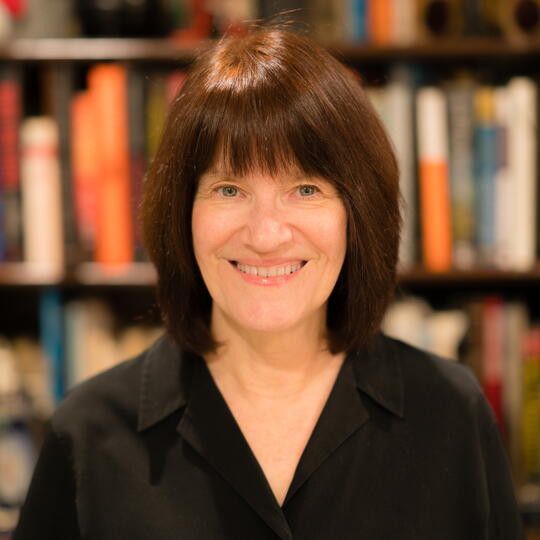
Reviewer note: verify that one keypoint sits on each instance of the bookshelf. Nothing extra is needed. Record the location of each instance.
(167, 50)
(131, 283)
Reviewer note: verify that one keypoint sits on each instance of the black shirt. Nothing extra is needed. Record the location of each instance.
(406, 448)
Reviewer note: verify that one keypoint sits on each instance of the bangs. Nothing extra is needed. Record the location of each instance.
(256, 133)
(259, 110)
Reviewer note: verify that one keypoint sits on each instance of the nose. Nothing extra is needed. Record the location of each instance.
(267, 228)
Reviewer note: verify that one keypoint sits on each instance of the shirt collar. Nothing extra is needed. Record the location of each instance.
(166, 375)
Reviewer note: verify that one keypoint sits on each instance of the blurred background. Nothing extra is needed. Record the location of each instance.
(84, 89)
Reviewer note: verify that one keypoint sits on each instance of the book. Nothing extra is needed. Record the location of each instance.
(90, 344)
(41, 195)
(460, 96)
(522, 168)
(10, 203)
(60, 91)
(404, 22)
(435, 215)
(52, 339)
(399, 121)
(516, 323)
(85, 158)
(380, 21)
(504, 234)
(107, 84)
(485, 167)
(492, 355)
(356, 21)
(137, 154)
(530, 443)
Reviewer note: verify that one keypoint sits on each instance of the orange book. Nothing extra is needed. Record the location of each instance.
(380, 21)
(85, 166)
(114, 235)
(435, 215)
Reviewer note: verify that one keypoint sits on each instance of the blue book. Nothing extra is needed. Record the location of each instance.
(358, 20)
(485, 165)
(51, 334)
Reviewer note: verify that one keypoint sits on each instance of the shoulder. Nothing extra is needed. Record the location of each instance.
(113, 397)
(438, 385)
(112, 392)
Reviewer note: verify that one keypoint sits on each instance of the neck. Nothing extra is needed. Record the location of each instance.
(274, 366)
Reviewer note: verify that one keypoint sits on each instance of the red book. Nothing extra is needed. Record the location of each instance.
(10, 118)
(492, 355)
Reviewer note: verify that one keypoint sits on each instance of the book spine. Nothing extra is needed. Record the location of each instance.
(10, 118)
(114, 232)
(516, 322)
(61, 93)
(433, 179)
(404, 21)
(460, 109)
(51, 335)
(504, 235)
(379, 16)
(41, 194)
(137, 130)
(530, 436)
(492, 362)
(86, 173)
(522, 147)
(485, 173)
(358, 20)
(399, 121)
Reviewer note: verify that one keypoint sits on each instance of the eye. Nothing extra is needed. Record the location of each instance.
(307, 190)
(227, 191)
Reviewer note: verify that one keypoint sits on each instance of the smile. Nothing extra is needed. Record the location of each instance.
(269, 271)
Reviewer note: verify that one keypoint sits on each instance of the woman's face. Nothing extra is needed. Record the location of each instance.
(269, 250)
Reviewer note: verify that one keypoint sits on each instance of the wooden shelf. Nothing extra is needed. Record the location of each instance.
(94, 49)
(478, 276)
(135, 274)
(143, 274)
(459, 48)
(30, 274)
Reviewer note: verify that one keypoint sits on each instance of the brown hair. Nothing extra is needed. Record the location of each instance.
(267, 101)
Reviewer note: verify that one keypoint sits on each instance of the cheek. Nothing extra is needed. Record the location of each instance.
(211, 230)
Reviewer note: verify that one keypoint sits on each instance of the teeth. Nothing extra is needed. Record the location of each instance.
(269, 271)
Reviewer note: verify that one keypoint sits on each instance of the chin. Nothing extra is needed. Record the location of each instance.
(266, 321)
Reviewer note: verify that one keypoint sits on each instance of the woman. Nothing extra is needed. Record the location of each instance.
(273, 408)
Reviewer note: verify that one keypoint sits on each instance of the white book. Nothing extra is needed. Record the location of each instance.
(41, 194)
(504, 193)
(522, 145)
(404, 20)
(432, 122)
